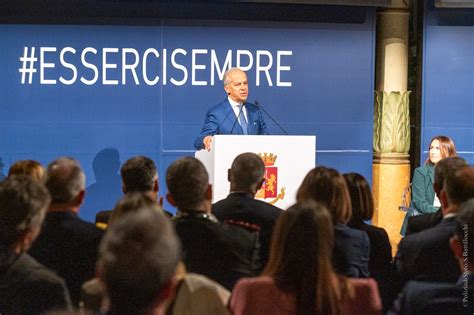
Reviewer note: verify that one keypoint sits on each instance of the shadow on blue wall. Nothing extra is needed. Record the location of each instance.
(2, 175)
(105, 192)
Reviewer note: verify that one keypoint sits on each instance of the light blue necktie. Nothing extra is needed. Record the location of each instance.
(242, 121)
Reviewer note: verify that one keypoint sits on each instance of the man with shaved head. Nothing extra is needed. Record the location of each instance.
(246, 176)
(66, 243)
(234, 115)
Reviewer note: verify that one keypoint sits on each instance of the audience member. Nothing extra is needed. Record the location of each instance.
(423, 197)
(224, 253)
(380, 261)
(246, 176)
(26, 287)
(446, 298)
(299, 277)
(426, 255)
(352, 247)
(29, 168)
(66, 243)
(139, 174)
(196, 294)
(137, 262)
(425, 221)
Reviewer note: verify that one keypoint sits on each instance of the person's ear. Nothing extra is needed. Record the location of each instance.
(443, 198)
(229, 176)
(156, 186)
(124, 190)
(170, 199)
(79, 198)
(456, 246)
(209, 192)
(436, 189)
(260, 184)
(160, 201)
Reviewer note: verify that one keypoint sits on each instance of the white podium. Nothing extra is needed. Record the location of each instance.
(287, 161)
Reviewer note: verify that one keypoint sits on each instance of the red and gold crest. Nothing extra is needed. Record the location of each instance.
(269, 188)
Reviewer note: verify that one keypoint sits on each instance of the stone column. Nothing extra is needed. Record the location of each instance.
(391, 142)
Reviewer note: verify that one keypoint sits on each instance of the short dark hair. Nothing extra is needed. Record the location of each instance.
(133, 202)
(465, 227)
(247, 171)
(361, 197)
(23, 204)
(138, 174)
(447, 166)
(459, 186)
(137, 257)
(64, 180)
(187, 182)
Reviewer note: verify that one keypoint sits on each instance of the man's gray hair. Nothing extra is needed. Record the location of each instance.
(65, 180)
(228, 72)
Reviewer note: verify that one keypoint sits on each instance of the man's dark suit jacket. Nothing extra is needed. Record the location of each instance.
(69, 246)
(422, 222)
(27, 287)
(427, 255)
(222, 252)
(351, 252)
(436, 298)
(242, 206)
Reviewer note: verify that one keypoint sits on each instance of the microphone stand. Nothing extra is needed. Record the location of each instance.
(268, 114)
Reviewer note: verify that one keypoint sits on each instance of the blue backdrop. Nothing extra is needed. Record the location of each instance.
(448, 78)
(105, 93)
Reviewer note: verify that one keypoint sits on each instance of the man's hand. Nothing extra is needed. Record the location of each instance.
(207, 142)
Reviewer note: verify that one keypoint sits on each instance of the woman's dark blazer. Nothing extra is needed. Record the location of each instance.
(351, 252)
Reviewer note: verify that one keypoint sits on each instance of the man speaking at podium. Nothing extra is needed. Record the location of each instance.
(234, 115)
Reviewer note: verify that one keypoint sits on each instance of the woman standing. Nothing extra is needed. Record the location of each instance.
(424, 199)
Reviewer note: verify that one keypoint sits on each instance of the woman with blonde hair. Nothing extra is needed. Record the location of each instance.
(352, 247)
(299, 277)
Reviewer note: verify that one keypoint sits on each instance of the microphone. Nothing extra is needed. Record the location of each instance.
(268, 114)
(238, 116)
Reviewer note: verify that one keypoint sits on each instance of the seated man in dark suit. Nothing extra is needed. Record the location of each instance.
(446, 298)
(26, 287)
(222, 252)
(246, 176)
(138, 259)
(426, 255)
(425, 221)
(67, 244)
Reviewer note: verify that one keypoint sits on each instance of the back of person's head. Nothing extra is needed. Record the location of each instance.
(465, 230)
(139, 174)
(29, 168)
(447, 166)
(65, 180)
(300, 257)
(325, 185)
(23, 203)
(188, 183)
(247, 172)
(137, 261)
(361, 197)
(133, 202)
(459, 186)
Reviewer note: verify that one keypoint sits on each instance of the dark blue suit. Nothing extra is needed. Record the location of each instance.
(436, 298)
(221, 118)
